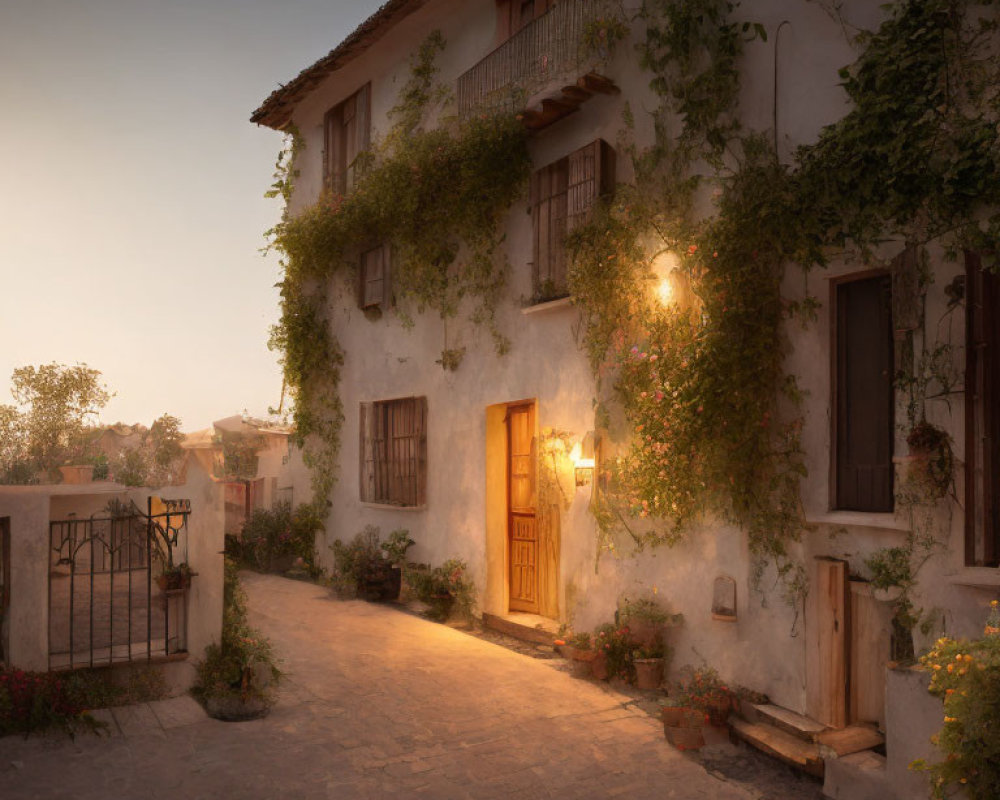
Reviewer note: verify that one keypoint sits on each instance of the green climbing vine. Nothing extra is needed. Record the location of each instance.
(436, 197)
(711, 419)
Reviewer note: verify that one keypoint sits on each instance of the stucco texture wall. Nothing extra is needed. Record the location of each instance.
(791, 89)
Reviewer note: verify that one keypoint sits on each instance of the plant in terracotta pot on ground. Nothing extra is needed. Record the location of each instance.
(236, 678)
(649, 663)
(703, 690)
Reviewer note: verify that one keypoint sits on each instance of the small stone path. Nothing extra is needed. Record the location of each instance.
(376, 704)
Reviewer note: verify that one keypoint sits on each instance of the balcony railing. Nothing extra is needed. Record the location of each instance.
(549, 48)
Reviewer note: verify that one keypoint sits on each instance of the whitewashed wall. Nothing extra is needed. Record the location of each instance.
(765, 649)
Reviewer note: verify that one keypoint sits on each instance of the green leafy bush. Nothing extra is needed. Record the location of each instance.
(243, 665)
(448, 580)
(269, 535)
(966, 676)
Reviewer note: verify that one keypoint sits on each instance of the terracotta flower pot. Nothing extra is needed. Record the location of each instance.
(648, 673)
(599, 667)
(683, 727)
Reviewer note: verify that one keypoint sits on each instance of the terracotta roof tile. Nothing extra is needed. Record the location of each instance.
(276, 110)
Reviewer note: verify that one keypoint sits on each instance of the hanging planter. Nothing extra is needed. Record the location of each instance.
(931, 463)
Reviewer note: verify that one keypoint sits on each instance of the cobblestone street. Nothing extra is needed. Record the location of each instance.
(376, 703)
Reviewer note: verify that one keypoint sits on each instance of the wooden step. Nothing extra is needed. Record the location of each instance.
(852, 739)
(782, 745)
(526, 627)
(805, 728)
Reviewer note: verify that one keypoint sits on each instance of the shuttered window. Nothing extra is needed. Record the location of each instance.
(562, 195)
(347, 134)
(394, 452)
(982, 415)
(374, 289)
(864, 416)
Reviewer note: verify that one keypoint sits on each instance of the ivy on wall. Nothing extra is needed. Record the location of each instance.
(437, 198)
(711, 418)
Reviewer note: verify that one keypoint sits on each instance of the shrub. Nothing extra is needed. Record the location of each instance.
(450, 579)
(966, 676)
(243, 664)
(357, 561)
(269, 535)
(31, 702)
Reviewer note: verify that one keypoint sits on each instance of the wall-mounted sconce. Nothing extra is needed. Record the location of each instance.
(583, 460)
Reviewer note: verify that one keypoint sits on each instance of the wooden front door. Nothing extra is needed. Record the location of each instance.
(522, 523)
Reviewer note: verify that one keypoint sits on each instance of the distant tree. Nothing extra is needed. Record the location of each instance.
(54, 403)
(131, 467)
(14, 466)
(164, 441)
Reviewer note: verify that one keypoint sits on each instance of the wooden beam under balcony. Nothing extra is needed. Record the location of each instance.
(560, 104)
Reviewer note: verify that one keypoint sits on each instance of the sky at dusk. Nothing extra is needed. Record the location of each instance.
(132, 210)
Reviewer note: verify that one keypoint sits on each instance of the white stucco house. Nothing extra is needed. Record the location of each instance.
(469, 440)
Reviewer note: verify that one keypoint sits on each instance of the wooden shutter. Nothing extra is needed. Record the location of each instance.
(548, 191)
(367, 455)
(591, 175)
(375, 278)
(982, 426)
(331, 149)
(347, 129)
(360, 133)
(864, 399)
(562, 196)
(420, 436)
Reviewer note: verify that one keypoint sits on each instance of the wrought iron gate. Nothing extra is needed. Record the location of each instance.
(104, 603)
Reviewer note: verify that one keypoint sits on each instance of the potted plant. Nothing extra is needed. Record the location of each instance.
(614, 647)
(931, 461)
(235, 680)
(175, 577)
(705, 691)
(583, 654)
(361, 569)
(443, 589)
(649, 665)
(646, 621)
(395, 548)
(682, 726)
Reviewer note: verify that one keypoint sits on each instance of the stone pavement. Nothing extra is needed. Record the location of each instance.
(376, 703)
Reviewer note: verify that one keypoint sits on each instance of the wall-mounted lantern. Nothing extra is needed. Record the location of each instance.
(583, 460)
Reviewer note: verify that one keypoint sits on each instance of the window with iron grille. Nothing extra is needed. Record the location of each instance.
(347, 134)
(562, 195)
(394, 452)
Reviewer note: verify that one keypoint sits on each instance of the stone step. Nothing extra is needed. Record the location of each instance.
(852, 739)
(799, 725)
(526, 627)
(779, 743)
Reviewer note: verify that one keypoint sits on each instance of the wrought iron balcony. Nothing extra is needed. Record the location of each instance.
(549, 49)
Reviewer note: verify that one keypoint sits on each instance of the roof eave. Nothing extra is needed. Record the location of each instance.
(276, 111)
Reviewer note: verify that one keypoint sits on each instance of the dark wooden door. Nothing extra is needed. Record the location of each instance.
(522, 523)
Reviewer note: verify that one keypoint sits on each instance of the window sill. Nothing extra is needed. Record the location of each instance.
(860, 519)
(548, 305)
(982, 577)
(391, 507)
